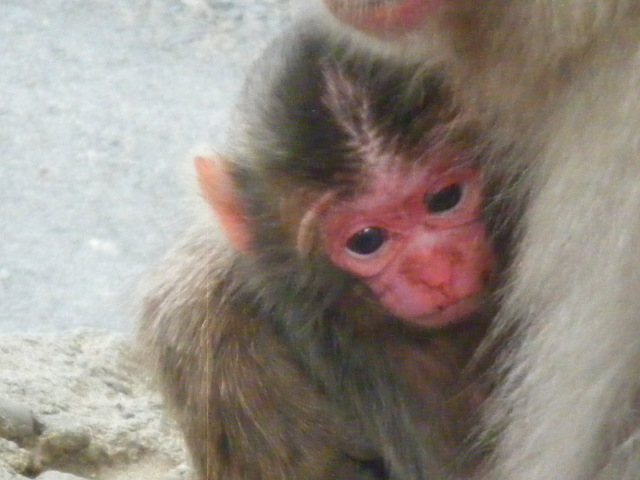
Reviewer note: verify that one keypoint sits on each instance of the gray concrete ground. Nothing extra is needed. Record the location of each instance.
(100, 103)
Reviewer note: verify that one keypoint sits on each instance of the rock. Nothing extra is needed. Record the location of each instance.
(119, 387)
(54, 475)
(7, 473)
(60, 441)
(15, 457)
(181, 472)
(16, 420)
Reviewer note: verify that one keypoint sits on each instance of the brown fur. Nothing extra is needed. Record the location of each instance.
(247, 408)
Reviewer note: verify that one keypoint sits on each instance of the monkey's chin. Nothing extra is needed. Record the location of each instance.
(457, 312)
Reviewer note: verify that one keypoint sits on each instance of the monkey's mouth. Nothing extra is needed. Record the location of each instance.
(429, 307)
(449, 314)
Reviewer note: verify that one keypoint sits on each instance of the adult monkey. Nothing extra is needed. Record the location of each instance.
(563, 79)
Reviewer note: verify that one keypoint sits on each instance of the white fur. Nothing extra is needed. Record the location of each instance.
(576, 285)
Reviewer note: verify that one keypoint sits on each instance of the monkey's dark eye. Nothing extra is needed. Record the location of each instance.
(444, 200)
(367, 241)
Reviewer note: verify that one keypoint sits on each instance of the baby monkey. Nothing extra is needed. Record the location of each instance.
(327, 332)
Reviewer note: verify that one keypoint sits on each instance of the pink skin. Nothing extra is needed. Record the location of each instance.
(433, 266)
(387, 17)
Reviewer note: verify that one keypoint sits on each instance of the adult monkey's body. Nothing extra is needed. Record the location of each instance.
(562, 80)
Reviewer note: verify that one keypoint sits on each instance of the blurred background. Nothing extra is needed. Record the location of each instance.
(101, 102)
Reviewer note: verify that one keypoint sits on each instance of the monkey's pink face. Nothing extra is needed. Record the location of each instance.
(418, 241)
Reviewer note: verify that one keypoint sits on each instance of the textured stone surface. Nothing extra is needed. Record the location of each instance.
(16, 420)
(97, 415)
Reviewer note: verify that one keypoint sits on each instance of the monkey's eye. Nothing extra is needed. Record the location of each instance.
(367, 241)
(444, 200)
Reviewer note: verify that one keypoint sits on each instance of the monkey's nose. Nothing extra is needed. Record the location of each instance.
(435, 270)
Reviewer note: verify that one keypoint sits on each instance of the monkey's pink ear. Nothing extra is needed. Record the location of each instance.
(221, 194)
